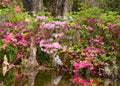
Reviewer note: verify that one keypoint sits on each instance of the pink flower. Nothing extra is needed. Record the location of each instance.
(76, 66)
(23, 41)
(87, 55)
(49, 26)
(111, 26)
(102, 63)
(84, 64)
(78, 26)
(95, 20)
(90, 28)
(114, 62)
(117, 32)
(76, 75)
(73, 53)
(8, 24)
(65, 27)
(119, 18)
(94, 72)
(4, 2)
(9, 37)
(17, 9)
(57, 45)
(20, 54)
(90, 20)
(64, 48)
(91, 67)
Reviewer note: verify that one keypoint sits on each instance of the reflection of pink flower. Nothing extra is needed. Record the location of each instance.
(79, 80)
(18, 76)
(12, 85)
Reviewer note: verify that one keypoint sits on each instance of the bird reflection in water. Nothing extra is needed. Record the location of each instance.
(57, 79)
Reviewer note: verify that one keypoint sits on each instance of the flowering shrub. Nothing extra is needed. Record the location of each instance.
(86, 40)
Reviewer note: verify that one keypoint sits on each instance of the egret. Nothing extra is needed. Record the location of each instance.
(5, 65)
(58, 61)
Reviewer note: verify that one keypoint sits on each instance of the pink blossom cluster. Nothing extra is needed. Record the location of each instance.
(15, 25)
(119, 18)
(91, 51)
(53, 25)
(111, 26)
(20, 54)
(92, 20)
(17, 35)
(8, 37)
(48, 25)
(22, 37)
(90, 27)
(82, 64)
(60, 23)
(97, 40)
(4, 2)
(49, 46)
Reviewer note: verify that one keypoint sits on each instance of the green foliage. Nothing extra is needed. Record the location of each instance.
(11, 53)
(43, 58)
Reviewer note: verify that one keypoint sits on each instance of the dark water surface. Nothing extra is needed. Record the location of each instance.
(15, 77)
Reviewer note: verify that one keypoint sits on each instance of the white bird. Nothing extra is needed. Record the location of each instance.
(58, 60)
(5, 65)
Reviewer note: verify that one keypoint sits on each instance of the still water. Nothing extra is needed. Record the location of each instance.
(16, 77)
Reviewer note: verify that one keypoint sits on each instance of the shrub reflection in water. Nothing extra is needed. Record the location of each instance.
(15, 77)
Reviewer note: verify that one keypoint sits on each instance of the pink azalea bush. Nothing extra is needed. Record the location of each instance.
(83, 42)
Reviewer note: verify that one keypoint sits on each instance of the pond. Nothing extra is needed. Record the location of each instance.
(16, 77)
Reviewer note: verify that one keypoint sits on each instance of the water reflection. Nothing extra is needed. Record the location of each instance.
(56, 80)
(18, 77)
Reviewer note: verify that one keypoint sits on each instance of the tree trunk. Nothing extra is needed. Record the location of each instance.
(60, 7)
(38, 6)
(33, 5)
(93, 3)
(68, 6)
